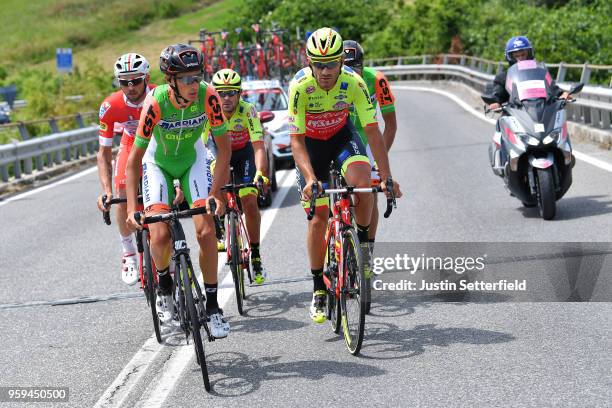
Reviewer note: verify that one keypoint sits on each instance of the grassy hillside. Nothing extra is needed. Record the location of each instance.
(101, 31)
(30, 61)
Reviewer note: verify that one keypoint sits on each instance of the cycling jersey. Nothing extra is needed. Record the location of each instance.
(243, 127)
(320, 114)
(380, 93)
(117, 113)
(174, 148)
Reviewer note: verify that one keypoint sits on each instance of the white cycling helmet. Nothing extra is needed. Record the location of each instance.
(131, 63)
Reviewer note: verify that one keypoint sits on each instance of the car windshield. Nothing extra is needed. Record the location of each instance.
(266, 99)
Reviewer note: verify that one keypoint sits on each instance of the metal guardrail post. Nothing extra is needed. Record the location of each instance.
(79, 120)
(462, 60)
(23, 131)
(425, 59)
(400, 61)
(16, 164)
(561, 72)
(445, 59)
(489, 68)
(53, 125)
(4, 173)
(586, 74)
(40, 164)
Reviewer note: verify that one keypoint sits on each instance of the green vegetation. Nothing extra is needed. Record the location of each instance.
(45, 89)
(574, 31)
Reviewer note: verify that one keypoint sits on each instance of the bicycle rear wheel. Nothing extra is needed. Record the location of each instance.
(236, 261)
(352, 293)
(150, 282)
(187, 274)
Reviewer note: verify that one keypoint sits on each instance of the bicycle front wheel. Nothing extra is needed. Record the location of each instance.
(150, 284)
(187, 274)
(352, 293)
(236, 261)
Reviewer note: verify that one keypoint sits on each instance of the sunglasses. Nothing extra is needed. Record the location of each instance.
(328, 65)
(132, 82)
(223, 94)
(188, 80)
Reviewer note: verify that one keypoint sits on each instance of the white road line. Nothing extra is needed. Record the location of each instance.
(580, 156)
(158, 390)
(48, 186)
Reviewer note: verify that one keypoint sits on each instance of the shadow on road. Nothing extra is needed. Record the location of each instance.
(572, 208)
(387, 341)
(241, 375)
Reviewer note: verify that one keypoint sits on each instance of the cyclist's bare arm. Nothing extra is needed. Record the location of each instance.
(105, 173)
(380, 155)
(302, 161)
(261, 159)
(133, 177)
(390, 128)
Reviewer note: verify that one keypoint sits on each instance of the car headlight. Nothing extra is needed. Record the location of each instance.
(551, 137)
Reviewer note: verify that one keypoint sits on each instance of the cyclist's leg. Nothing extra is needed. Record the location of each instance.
(375, 180)
(129, 260)
(243, 161)
(197, 181)
(319, 151)
(158, 193)
(356, 169)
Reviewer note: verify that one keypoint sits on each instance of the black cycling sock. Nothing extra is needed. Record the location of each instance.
(164, 280)
(362, 233)
(371, 240)
(317, 279)
(254, 250)
(211, 297)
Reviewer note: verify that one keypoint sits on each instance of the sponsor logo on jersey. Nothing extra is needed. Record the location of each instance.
(186, 123)
(293, 128)
(296, 98)
(344, 86)
(325, 120)
(341, 105)
(310, 89)
(104, 108)
(340, 97)
(103, 126)
(238, 127)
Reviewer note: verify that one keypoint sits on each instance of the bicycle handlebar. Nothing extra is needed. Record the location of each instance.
(106, 214)
(391, 203)
(175, 214)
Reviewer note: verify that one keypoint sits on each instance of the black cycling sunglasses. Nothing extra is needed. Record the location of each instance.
(132, 82)
(188, 80)
(223, 94)
(328, 65)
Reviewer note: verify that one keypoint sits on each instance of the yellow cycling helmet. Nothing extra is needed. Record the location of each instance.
(323, 45)
(226, 79)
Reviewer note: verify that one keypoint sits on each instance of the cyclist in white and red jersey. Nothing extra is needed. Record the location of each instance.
(119, 114)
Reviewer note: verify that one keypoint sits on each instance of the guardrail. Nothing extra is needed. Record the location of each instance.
(487, 66)
(593, 108)
(45, 152)
(78, 118)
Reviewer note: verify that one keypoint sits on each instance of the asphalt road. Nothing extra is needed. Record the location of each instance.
(67, 319)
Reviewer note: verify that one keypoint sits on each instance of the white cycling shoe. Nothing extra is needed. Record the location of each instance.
(164, 306)
(219, 327)
(129, 269)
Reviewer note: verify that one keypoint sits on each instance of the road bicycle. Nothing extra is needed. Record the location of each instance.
(190, 301)
(347, 286)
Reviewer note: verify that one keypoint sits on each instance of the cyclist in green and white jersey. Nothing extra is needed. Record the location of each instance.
(169, 147)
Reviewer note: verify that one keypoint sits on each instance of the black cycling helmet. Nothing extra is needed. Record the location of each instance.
(178, 58)
(353, 54)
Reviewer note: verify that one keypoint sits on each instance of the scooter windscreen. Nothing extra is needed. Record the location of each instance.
(528, 80)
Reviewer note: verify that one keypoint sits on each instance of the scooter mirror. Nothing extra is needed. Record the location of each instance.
(576, 88)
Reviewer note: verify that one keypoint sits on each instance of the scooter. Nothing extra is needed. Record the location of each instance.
(532, 149)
